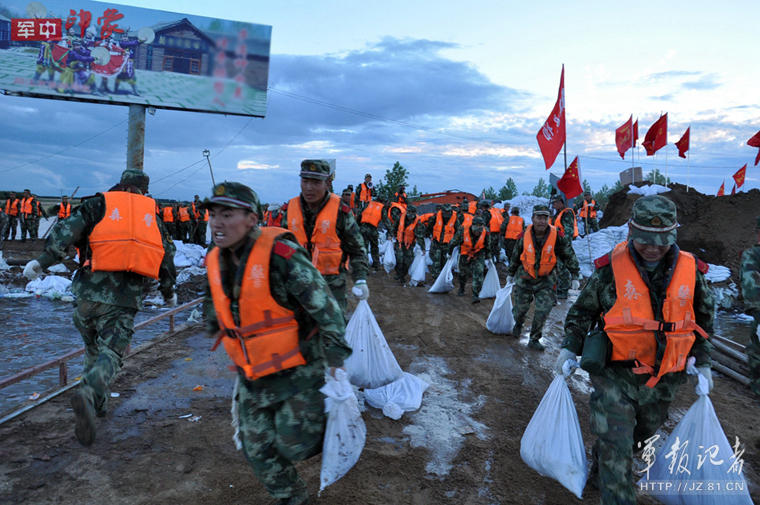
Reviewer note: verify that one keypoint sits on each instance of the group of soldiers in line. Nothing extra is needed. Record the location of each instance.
(185, 221)
(22, 214)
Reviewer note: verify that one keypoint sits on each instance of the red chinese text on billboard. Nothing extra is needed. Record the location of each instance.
(35, 29)
(84, 18)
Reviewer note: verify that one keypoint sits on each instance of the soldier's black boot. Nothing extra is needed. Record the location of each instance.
(535, 344)
(300, 498)
(84, 411)
(517, 330)
(475, 299)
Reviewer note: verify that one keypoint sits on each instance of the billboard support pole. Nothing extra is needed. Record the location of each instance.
(136, 136)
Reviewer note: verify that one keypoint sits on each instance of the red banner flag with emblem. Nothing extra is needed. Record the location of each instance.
(755, 142)
(635, 131)
(683, 144)
(570, 183)
(722, 189)
(657, 135)
(733, 190)
(625, 137)
(739, 176)
(551, 136)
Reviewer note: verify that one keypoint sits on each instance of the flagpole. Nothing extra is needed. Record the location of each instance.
(688, 165)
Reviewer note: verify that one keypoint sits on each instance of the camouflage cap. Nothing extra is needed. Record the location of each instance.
(235, 195)
(135, 177)
(368, 175)
(315, 169)
(653, 221)
(483, 203)
(541, 210)
(477, 220)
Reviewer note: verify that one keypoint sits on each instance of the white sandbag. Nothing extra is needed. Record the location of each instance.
(552, 443)
(372, 363)
(500, 320)
(418, 269)
(389, 258)
(697, 438)
(455, 258)
(491, 284)
(345, 432)
(402, 395)
(503, 256)
(445, 281)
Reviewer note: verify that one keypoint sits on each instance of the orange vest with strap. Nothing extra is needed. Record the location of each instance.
(514, 227)
(184, 215)
(397, 205)
(195, 211)
(324, 244)
(127, 239)
(26, 205)
(548, 256)
(587, 209)
(373, 213)
(448, 228)
(64, 210)
(496, 219)
(168, 215)
(266, 341)
(467, 219)
(467, 248)
(558, 222)
(11, 207)
(274, 221)
(351, 202)
(205, 216)
(405, 234)
(365, 193)
(630, 323)
(472, 207)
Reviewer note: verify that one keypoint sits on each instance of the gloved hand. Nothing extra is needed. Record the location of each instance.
(575, 284)
(510, 279)
(172, 301)
(32, 270)
(564, 355)
(360, 289)
(705, 372)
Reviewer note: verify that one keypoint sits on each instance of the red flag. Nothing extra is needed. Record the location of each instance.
(570, 183)
(624, 137)
(657, 135)
(739, 176)
(722, 190)
(635, 131)
(733, 191)
(683, 144)
(551, 136)
(755, 142)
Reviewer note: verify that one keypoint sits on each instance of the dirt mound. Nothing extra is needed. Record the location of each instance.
(717, 229)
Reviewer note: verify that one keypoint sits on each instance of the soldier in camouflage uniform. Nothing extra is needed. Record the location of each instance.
(106, 301)
(439, 246)
(625, 410)
(369, 230)
(537, 286)
(472, 263)
(568, 226)
(750, 285)
(281, 415)
(315, 180)
(405, 250)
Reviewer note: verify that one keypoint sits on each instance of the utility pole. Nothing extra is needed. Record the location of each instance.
(207, 153)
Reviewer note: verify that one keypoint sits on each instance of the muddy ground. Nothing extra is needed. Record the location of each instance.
(146, 453)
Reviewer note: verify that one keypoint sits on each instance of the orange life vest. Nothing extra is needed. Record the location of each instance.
(324, 244)
(548, 255)
(467, 219)
(184, 215)
(472, 207)
(168, 215)
(26, 205)
(630, 323)
(467, 248)
(365, 193)
(399, 206)
(266, 341)
(39, 208)
(274, 221)
(496, 220)
(64, 210)
(127, 239)
(11, 207)
(398, 196)
(405, 234)
(205, 215)
(588, 209)
(514, 227)
(558, 222)
(448, 228)
(373, 213)
(351, 202)
(196, 212)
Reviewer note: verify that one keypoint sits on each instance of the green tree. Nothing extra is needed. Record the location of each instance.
(657, 177)
(586, 186)
(394, 178)
(414, 194)
(508, 190)
(490, 193)
(542, 188)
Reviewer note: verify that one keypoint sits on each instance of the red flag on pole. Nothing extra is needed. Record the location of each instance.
(570, 183)
(657, 135)
(739, 176)
(623, 137)
(683, 144)
(722, 190)
(755, 142)
(733, 190)
(635, 131)
(551, 136)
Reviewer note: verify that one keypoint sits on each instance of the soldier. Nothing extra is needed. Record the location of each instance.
(184, 225)
(197, 236)
(28, 213)
(511, 230)
(750, 284)
(280, 411)
(472, 236)
(565, 222)
(347, 199)
(12, 209)
(494, 226)
(63, 209)
(532, 268)
(587, 212)
(400, 195)
(167, 216)
(365, 192)
(327, 230)
(444, 228)
(409, 232)
(644, 283)
(370, 219)
(121, 247)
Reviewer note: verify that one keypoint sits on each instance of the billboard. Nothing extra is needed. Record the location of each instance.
(117, 54)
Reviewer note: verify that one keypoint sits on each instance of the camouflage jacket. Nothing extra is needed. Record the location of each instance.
(599, 295)
(568, 223)
(351, 241)
(749, 275)
(459, 239)
(420, 232)
(125, 289)
(298, 286)
(563, 249)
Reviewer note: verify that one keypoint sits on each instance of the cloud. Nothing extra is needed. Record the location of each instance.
(703, 83)
(254, 165)
(670, 74)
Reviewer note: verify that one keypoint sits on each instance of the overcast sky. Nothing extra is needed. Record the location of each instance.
(454, 91)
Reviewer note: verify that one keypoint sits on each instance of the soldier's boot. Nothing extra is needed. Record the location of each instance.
(84, 411)
(475, 299)
(517, 330)
(535, 344)
(461, 288)
(300, 498)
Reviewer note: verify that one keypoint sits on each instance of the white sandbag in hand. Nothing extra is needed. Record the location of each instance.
(455, 260)
(552, 443)
(491, 284)
(419, 268)
(389, 258)
(402, 395)
(372, 363)
(500, 320)
(345, 433)
(445, 281)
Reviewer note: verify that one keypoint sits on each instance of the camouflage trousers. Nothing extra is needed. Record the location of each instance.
(276, 435)
(107, 331)
(27, 227)
(563, 279)
(10, 230)
(36, 227)
(171, 229)
(591, 225)
(337, 285)
(475, 268)
(523, 295)
(509, 245)
(753, 354)
(494, 245)
(180, 231)
(404, 259)
(199, 233)
(369, 233)
(624, 414)
(438, 255)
